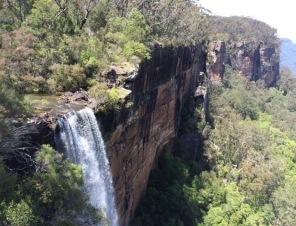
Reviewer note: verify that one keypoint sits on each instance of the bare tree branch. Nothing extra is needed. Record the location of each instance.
(18, 148)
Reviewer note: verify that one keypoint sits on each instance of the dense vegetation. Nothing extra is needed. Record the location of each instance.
(55, 45)
(247, 174)
(241, 29)
(50, 196)
(52, 46)
(288, 53)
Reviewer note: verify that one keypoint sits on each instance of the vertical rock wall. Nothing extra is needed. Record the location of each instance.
(252, 60)
(216, 60)
(158, 94)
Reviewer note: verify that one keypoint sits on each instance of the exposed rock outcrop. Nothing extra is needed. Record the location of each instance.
(40, 128)
(158, 93)
(159, 89)
(216, 60)
(252, 60)
(80, 97)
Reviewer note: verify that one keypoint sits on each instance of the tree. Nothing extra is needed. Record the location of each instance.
(12, 105)
(19, 8)
(8, 181)
(56, 190)
(284, 203)
(286, 82)
(18, 56)
(66, 77)
(173, 21)
(129, 33)
(21, 214)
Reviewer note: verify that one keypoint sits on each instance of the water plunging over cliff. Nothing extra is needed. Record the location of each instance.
(79, 137)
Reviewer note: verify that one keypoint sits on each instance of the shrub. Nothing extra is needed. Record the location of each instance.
(66, 77)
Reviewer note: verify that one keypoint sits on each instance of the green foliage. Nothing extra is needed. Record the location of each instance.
(129, 33)
(136, 28)
(8, 182)
(284, 203)
(132, 48)
(21, 214)
(43, 17)
(51, 196)
(253, 148)
(13, 13)
(42, 42)
(8, 21)
(239, 29)
(98, 89)
(175, 22)
(98, 16)
(59, 195)
(66, 77)
(286, 82)
(112, 100)
(18, 55)
(250, 160)
(232, 211)
(191, 118)
(239, 99)
(170, 198)
(12, 105)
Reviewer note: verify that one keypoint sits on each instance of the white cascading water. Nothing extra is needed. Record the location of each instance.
(79, 137)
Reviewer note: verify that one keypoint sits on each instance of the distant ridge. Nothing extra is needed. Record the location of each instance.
(288, 54)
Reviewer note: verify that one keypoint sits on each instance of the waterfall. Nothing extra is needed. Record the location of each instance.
(79, 137)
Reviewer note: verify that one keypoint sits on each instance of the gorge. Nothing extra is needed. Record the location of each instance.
(193, 120)
(139, 133)
(159, 92)
(188, 120)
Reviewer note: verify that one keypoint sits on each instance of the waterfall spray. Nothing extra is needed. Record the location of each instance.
(79, 137)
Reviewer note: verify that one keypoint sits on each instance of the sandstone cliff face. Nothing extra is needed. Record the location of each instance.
(158, 94)
(252, 60)
(216, 60)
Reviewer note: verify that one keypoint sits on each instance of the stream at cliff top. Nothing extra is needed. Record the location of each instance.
(79, 137)
(50, 103)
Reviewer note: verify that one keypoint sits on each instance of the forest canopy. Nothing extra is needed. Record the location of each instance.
(245, 173)
(53, 46)
(239, 29)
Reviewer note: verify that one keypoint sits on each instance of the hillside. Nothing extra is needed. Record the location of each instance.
(288, 54)
(244, 173)
(202, 109)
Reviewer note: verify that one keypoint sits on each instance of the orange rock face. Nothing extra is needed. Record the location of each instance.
(251, 59)
(216, 60)
(158, 93)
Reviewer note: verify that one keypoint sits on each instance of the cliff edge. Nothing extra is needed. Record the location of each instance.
(253, 60)
(158, 93)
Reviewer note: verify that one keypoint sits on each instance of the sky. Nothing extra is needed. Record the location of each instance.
(278, 14)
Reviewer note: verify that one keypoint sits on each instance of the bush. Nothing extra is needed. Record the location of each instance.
(66, 77)
(112, 101)
(132, 48)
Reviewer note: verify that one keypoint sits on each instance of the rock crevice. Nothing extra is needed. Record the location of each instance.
(252, 60)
